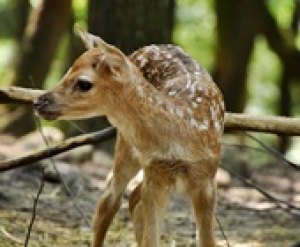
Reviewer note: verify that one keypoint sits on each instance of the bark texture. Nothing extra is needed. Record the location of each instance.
(45, 28)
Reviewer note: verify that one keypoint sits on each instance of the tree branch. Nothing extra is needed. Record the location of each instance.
(234, 122)
(269, 124)
(18, 95)
(69, 144)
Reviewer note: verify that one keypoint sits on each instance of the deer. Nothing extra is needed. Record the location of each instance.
(169, 116)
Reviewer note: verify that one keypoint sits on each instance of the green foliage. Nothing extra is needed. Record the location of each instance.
(6, 51)
(264, 70)
(282, 10)
(194, 29)
(58, 65)
(80, 10)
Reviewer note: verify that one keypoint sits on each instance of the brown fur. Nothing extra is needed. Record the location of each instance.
(169, 115)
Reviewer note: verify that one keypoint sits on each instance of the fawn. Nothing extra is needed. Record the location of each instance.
(169, 115)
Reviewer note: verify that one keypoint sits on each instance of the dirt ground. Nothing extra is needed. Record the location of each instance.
(248, 218)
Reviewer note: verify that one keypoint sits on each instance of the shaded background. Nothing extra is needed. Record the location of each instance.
(251, 47)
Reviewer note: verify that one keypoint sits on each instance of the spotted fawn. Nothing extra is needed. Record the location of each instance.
(169, 115)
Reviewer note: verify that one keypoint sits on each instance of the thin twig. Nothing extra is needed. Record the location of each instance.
(284, 205)
(222, 231)
(70, 194)
(68, 144)
(65, 185)
(237, 145)
(34, 208)
(274, 152)
(266, 149)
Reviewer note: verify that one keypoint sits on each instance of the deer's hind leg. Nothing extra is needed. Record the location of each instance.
(125, 168)
(136, 213)
(203, 196)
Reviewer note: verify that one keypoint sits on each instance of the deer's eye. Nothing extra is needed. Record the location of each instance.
(83, 84)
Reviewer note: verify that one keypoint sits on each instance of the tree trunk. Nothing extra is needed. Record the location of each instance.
(239, 21)
(237, 26)
(43, 33)
(75, 45)
(130, 25)
(22, 9)
(285, 100)
(285, 107)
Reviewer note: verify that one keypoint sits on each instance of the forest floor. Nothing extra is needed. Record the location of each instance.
(247, 217)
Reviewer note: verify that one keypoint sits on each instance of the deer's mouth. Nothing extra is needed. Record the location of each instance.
(48, 114)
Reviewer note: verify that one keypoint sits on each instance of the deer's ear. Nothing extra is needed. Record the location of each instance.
(112, 66)
(91, 41)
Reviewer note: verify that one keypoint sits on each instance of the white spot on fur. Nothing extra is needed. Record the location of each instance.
(217, 125)
(213, 113)
(140, 91)
(169, 108)
(179, 112)
(158, 100)
(169, 83)
(194, 105)
(193, 122)
(188, 78)
(155, 51)
(223, 105)
(199, 99)
(188, 85)
(143, 62)
(193, 88)
(168, 56)
(172, 93)
(206, 123)
(202, 126)
(189, 111)
(197, 68)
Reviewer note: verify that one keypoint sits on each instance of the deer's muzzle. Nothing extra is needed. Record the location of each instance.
(46, 107)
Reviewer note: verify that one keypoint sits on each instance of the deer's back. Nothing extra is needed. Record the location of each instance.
(184, 82)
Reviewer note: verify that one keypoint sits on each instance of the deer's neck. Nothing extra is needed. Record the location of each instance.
(154, 124)
(140, 115)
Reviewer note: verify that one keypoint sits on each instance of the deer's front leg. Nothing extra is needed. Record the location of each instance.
(148, 202)
(125, 168)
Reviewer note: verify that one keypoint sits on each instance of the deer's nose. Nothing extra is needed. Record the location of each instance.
(43, 101)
